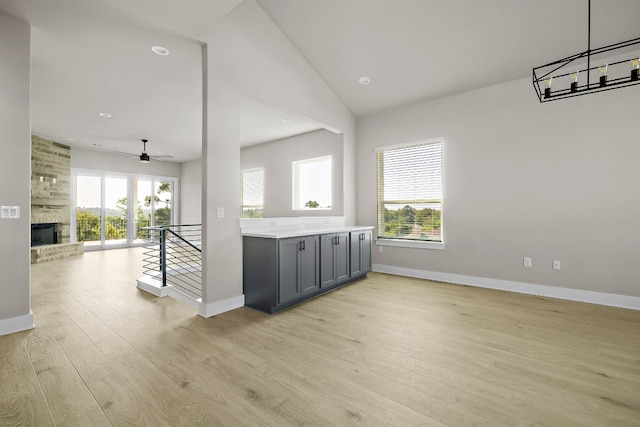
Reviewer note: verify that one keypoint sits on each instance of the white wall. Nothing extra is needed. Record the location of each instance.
(556, 181)
(276, 158)
(191, 192)
(15, 175)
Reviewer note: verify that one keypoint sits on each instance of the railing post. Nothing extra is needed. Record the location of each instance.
(163, 255)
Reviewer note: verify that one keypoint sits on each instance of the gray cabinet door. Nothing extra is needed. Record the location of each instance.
(288, 269)
(342, 257)
(309, 265)
(327, 260)
(356, 259)
(360, 253)
(365, 251)
(334, 259)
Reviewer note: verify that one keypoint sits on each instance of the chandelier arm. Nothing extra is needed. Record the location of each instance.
(563, 62)
(615, 46)
(567, 60)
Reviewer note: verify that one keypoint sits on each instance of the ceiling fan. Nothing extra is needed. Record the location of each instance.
(144, 157)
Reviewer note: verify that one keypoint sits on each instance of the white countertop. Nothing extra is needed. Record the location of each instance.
(284, 232)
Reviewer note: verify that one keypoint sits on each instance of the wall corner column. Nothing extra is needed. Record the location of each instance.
(222, 243)
(15, 174)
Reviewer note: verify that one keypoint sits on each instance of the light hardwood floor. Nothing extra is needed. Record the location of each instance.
(383, 351)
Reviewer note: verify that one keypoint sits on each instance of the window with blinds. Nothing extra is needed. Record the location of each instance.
(410, 192)
(253, 193)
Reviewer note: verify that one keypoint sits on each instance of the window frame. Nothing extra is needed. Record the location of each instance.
(381, 240)
(295, 177)
(242, 204)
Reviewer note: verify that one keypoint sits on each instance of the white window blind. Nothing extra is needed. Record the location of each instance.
(252, 193)
(410, 192)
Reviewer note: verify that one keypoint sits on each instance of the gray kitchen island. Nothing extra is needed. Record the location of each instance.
(283, 267)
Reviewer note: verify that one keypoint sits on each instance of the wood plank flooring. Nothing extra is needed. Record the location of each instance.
(386, 350)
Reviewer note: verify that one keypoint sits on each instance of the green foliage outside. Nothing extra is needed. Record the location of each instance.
(252, 213)
(142, 219)
(312, 204)
(408, 222)
(162, 214)
(88, 227)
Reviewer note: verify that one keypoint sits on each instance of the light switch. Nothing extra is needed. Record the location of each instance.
(220, 212)
(9, 212)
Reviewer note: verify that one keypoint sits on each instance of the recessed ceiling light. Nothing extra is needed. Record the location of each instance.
(160, 50)
(364, 80)
(286, 121)
(106, 115)
(98, 145)
(71, 139)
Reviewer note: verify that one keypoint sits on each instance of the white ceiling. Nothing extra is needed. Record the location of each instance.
(415, 50)
(91, 56)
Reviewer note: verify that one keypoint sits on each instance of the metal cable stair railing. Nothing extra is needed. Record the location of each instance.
(173, 259)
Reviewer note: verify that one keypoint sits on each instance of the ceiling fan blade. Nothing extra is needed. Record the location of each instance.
(123, 153)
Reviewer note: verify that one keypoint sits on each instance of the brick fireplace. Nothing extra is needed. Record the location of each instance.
(51, 199)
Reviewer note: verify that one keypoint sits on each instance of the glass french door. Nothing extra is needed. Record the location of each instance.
(113, 211)
(88, 216)
(143, 199)
(162, 202)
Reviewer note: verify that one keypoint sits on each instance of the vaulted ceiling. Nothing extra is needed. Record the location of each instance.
(92, 56)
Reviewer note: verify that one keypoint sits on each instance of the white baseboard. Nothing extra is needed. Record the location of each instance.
(152, 286)
(16, 324)
(601, 298)
(219, 307)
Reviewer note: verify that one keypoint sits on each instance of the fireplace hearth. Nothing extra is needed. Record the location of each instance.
(44, 234)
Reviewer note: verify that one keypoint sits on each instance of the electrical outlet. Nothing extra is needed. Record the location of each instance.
(379, 249)
(527, 262)
(556, 264)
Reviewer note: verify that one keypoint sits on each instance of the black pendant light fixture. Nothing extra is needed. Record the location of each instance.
(144, 157)
(594, 70)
